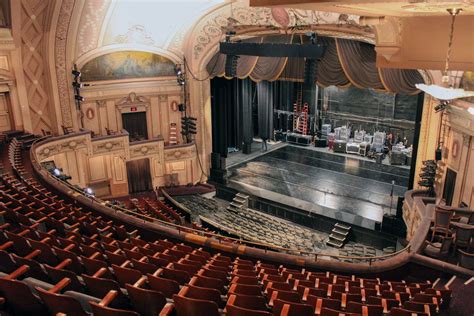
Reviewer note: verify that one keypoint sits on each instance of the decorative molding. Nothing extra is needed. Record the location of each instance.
(179, 153)
(62, 69)
(132, 99)
(212, 27)
(108, 146)
(93, 15)
(33, 32)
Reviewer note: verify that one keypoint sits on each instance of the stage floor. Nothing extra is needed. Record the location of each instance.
(346, 187)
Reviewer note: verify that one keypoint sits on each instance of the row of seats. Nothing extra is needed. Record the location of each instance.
(256, 226)
(57, 257)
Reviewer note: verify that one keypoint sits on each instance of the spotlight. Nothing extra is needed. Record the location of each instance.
(181, 81)
(79, 98)
(76, 73)
(57, 172)
(89, 191)
(441, 106)
(182, 107)
(79, 85)
(178, 70)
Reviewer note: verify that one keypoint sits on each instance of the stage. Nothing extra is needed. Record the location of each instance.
(344, 187)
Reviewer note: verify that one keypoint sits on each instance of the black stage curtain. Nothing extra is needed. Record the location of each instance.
(139, 176)
(265, 109)
(231, 110)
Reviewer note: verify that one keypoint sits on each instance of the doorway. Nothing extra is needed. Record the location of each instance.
(139, 176)
(136, 126)
(449, 184)
(5, 114)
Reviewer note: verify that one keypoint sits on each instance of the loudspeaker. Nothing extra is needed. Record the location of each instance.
(310, 70)
(231, 65)
(438, 154)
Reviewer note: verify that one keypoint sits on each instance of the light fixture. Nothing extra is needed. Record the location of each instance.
(471, 110)
(88, 191)
(76, 73)
(57, 172)
(441, 106)
(79, 98)
(446, 90)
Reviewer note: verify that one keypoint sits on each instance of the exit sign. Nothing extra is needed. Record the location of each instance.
(133, 109)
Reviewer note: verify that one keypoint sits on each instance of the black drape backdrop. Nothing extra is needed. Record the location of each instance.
(139, 176)
(231, 111)
(265, 93)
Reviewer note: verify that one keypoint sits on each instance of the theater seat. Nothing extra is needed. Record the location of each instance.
(146, 302)
(186, 306)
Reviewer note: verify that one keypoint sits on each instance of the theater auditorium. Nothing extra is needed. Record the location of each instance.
(236, 157)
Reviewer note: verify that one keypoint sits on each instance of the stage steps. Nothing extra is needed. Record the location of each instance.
(239, 202)
(338, 235)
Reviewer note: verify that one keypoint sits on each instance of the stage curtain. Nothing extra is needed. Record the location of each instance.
(265, 109)
(330, 72)
(216, 66)
(138, 173)
(245, 104)
(345, 62)
(400, 80)
(358, 62)
(246, 64)
(270, 68)
(222, 96)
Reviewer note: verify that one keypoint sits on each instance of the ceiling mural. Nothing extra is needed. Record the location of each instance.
(127, 65)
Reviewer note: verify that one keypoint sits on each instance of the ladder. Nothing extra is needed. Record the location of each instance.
(303, 128)
(173, 138)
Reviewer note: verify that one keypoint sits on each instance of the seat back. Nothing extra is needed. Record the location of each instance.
(166, 286)
(186, 306)
(281, 307)
(20, 299)
(233, 310)
(58, 303)
(248, 302)
(146, 302)
(202, 293)
(126, 275)
(99, 287)
(100, 310)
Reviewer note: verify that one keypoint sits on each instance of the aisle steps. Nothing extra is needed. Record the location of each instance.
(338, 235)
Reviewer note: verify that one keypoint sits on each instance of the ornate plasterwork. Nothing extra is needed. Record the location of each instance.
(62, 70)
(109, 146)
(180, 153)
(33, 32)
(61, 147)
(91, 24)
(212, 27)
(145, 150)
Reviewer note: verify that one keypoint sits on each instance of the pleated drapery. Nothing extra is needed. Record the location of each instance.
(345, 62)
(265, 109)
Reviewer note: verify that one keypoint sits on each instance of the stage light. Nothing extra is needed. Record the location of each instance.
(441, 106)
(88, 191)
(178, 70)
(57, 172)
(79, 98)
(76, 73)
(181, 81)
(79, 85)
(471, 110)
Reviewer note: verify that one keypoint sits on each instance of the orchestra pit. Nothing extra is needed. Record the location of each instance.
(236, 158)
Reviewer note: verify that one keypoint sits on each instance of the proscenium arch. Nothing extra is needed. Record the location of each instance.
(82, 60)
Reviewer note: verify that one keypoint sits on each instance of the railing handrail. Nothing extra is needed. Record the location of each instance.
(219, 237)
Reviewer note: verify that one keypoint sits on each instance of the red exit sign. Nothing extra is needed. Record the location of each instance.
(133, 109)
